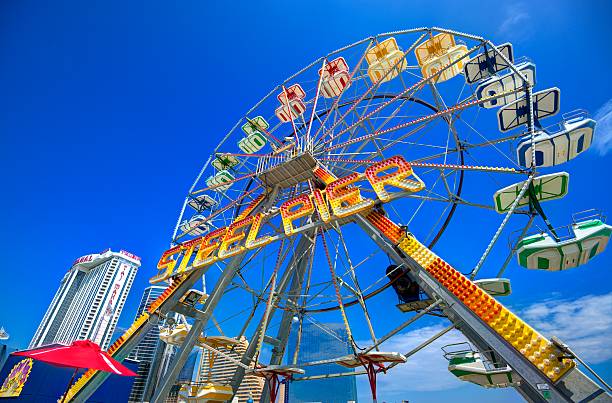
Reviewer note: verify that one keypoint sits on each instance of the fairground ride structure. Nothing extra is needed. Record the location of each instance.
(372, 157)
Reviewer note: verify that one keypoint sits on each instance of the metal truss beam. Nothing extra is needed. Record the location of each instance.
(573, 387)
(196, 329)
(304, 243)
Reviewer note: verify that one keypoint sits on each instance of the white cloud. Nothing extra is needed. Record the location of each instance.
(515, 22)
(425, 371)
(603, 131)
(584, 324)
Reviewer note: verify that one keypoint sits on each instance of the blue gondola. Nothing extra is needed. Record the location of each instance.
(574, 137)
(507, 82)
(486, 64)
(546, 103)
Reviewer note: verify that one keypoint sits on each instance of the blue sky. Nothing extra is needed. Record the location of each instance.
(108, 110)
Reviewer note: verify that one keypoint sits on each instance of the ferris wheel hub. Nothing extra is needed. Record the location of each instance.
(287, 172)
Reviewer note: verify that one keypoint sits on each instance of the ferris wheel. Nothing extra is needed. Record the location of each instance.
(453, 110)
(342, 191)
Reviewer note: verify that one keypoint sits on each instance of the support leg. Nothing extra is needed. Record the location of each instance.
(196, 330)
(273, 386)
(371, 371)
(303, 244)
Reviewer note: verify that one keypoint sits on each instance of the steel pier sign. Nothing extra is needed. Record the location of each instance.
(340, 199)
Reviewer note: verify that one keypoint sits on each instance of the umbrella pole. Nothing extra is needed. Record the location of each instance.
(69, 385)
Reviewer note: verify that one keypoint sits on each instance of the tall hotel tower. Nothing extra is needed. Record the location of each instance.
(89, 300)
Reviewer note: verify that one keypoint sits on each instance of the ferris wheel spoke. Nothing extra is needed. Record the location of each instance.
(357, 290)
(411, 90)
(314, 106)
(353, 132)
(429, 192)
(426, 118)
(488, 142)
(371, 155)
(376, 85)
(337, 101)
(467, 146)
(451, 194)
(334, 136)
(448, 206)
(394, 114)
(410, 143)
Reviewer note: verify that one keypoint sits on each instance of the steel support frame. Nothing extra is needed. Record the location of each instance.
(196, 329)
(573, 387)
(282, 335)
(299, 258)
(203, 316)
(284, 330)
(363, 372)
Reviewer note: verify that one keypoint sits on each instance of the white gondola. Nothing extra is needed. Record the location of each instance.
(542, 252)
(468, 365)
(224, 161)
(380, 357)
(488, 63)
(574, 137)
(546, 187)
(496, 287)
(545, 103)
(194, 225)
(335, 78)
(439, 53)
(201, 203)
(256, 125)
(252, 143)
(292, 103)
(287, 113)
(385, 61)
(221, 181)
(508, 82)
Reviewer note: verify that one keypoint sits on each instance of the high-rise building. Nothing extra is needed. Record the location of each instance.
(223, 370)
(89, 300)
(164, 355)
(144, 352)
(321, 341)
